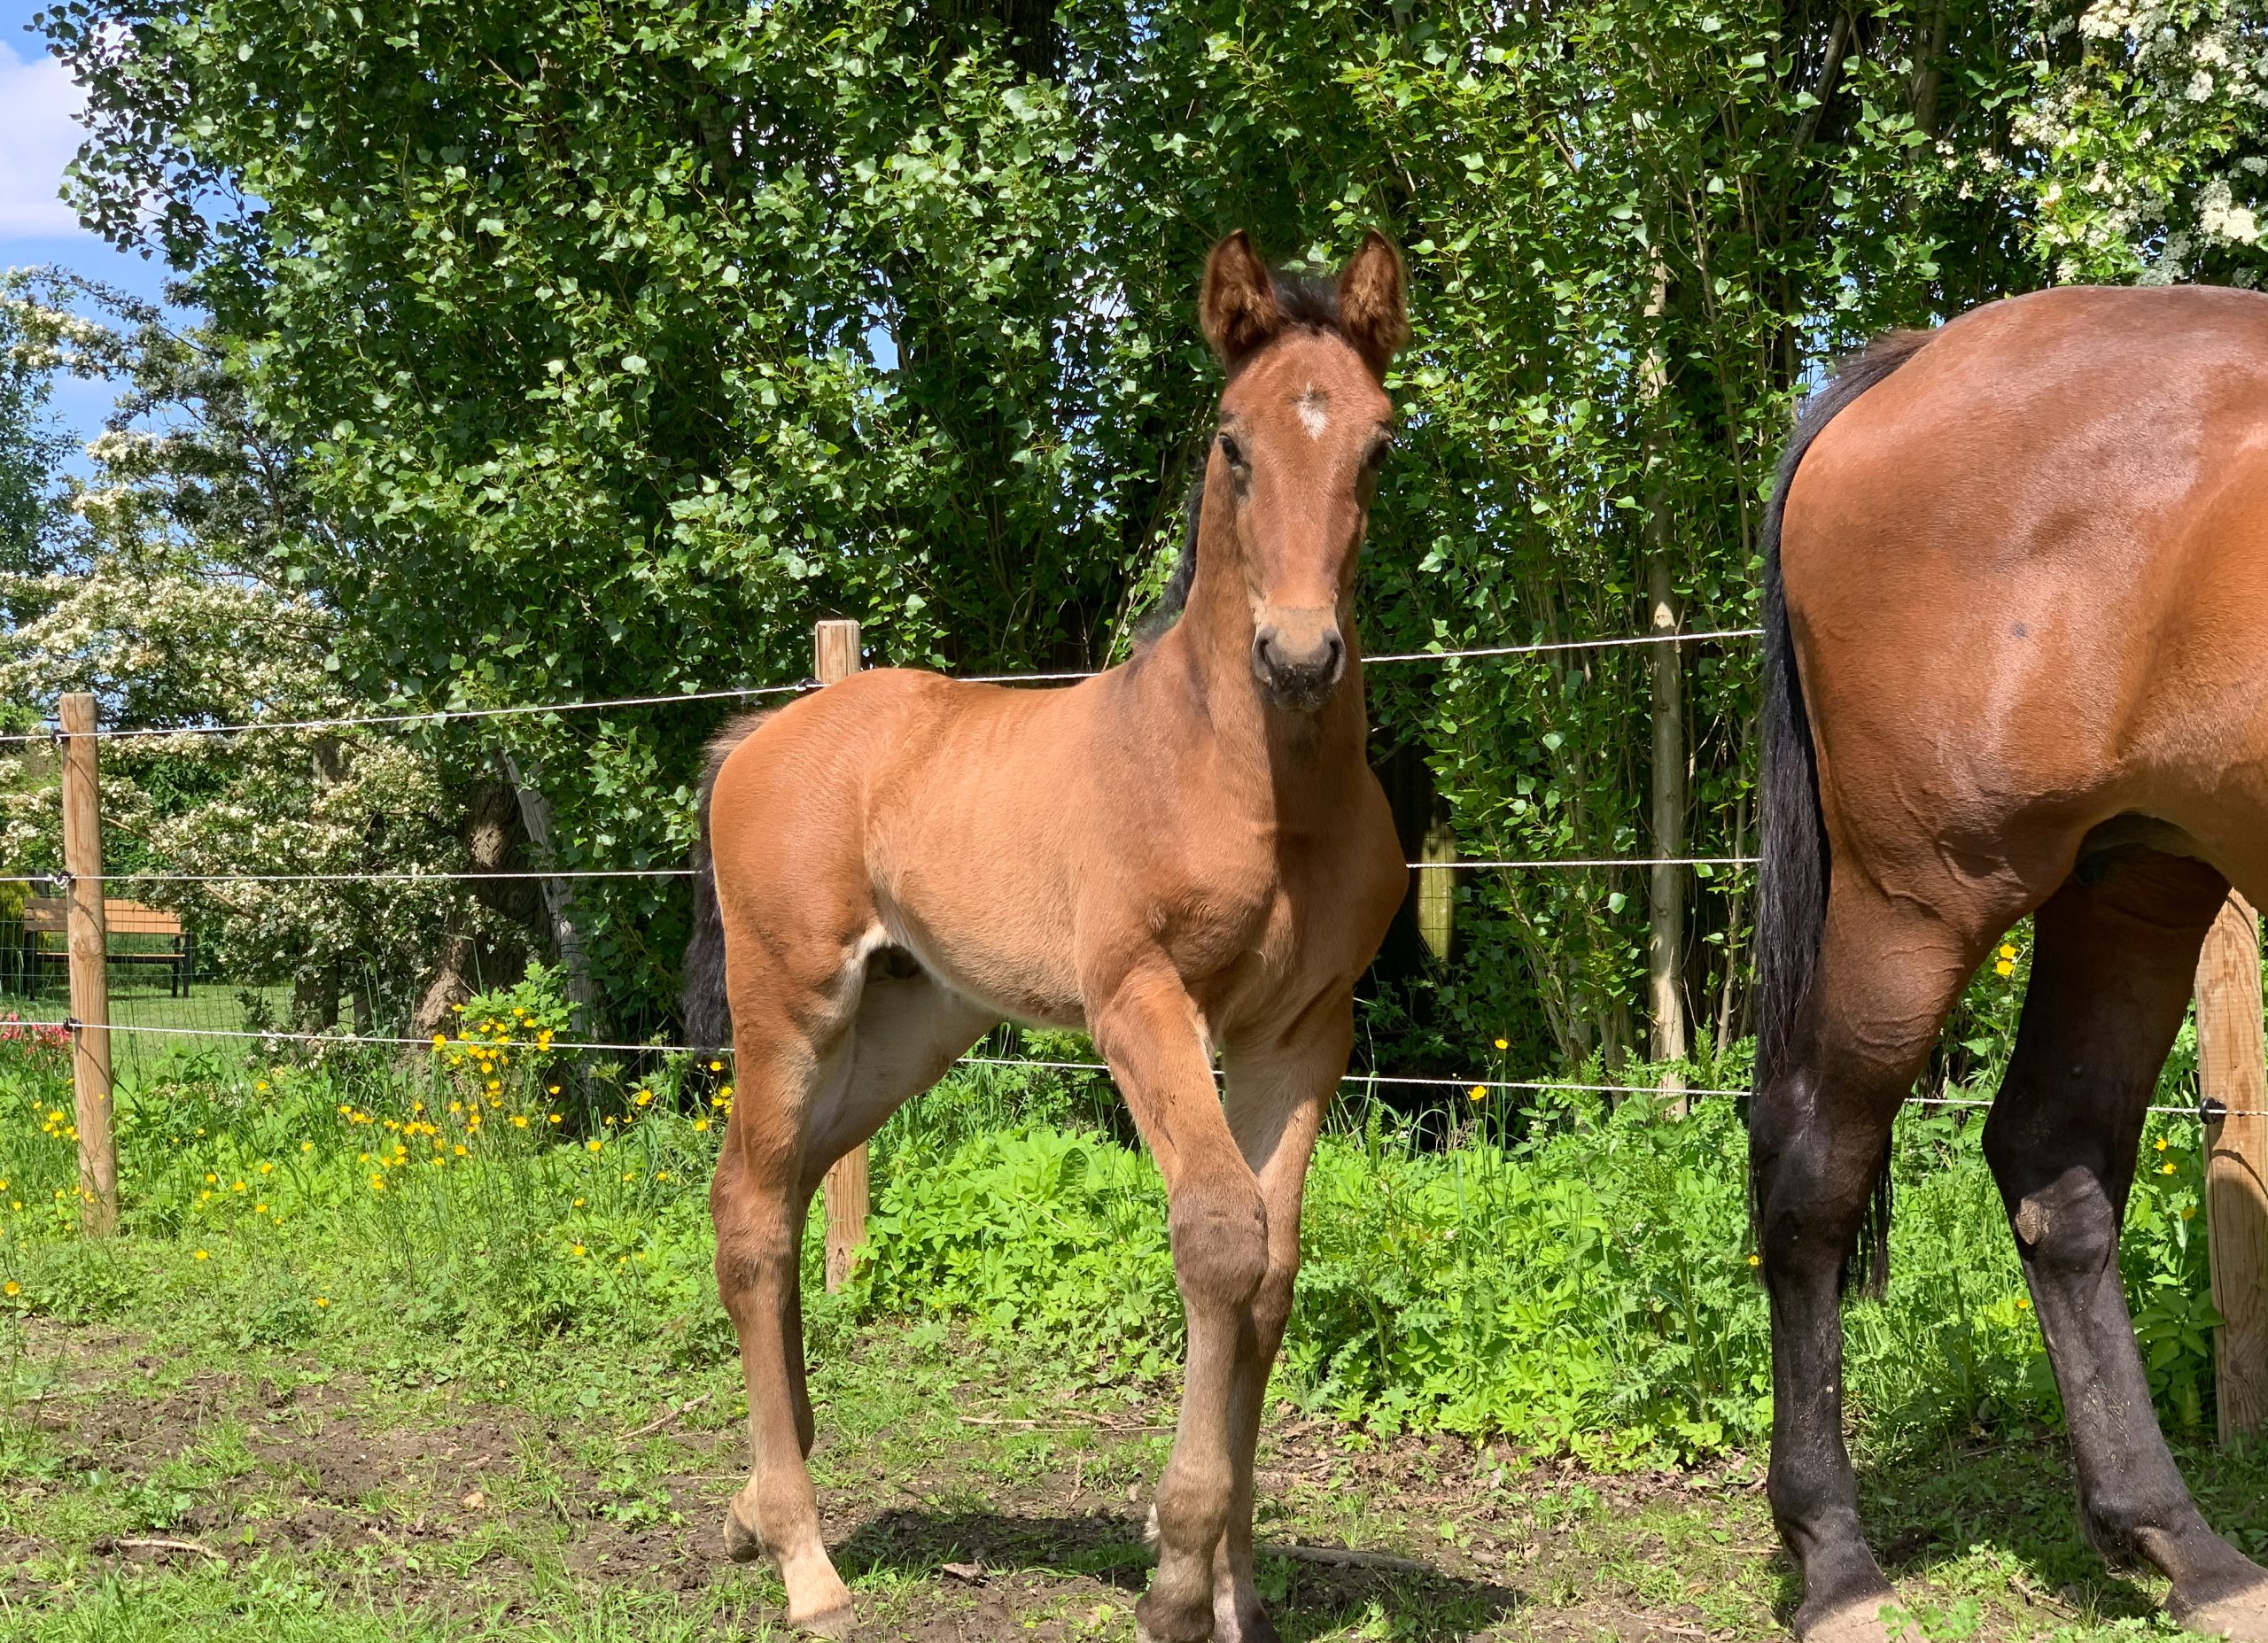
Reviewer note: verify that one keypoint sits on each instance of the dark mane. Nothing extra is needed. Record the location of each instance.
(1174, 598)
(1308, 300)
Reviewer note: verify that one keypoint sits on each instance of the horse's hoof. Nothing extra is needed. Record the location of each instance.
(2242, 1614)
(741, 1543)
(1255, 1628)
(836, 1623)
(1193, 1628)
(1857, 1621)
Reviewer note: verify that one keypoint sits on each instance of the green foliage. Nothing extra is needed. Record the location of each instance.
(1581, 1287)
(32, 449)
(613, 344)
(1575, 1282)
(162, 594)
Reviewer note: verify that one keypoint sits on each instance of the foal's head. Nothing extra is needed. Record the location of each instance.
(1304, 424)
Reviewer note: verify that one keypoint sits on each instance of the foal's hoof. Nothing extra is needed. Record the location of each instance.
(1857, 1621)
(836, 1623)
(2241, 1615)
(740, 1542)
(1229, 1627)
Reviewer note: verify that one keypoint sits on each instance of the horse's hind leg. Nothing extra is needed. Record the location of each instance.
(816, 1074)
(2111, 979)
(1819, 1142)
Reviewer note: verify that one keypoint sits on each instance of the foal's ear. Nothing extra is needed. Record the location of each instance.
(1372, 308)
(1238, 308)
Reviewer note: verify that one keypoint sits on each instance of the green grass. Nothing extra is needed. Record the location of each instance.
(139, 996)
(389, 1382)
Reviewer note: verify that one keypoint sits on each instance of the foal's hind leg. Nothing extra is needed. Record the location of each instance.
(2111, 979)
(1819, 1139)
(811, 1084)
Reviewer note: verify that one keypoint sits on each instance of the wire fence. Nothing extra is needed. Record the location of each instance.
(275, 1040)
(441, 715)
(165, 956)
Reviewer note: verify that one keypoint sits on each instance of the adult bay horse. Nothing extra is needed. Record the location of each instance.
(1185, 855)
(2017, 591)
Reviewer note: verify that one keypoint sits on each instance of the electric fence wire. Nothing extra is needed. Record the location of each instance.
(65, 878)
(717, 1053)
(439, 715)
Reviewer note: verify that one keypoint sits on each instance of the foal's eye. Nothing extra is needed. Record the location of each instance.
(1376, 454)
(1233, 451)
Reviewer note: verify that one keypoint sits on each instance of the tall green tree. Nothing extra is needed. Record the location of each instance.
(157, 585)
(627, 339)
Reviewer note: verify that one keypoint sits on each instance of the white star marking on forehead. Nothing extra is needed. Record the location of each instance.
(1315, 415)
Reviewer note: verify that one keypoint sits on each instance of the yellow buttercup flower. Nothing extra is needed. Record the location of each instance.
(1502, 1044)
(1478, 1092)
(2004, 968)
(2007, 952)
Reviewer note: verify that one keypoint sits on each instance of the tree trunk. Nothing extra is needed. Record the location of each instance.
(1665, 885)
(559, 903)
(491, 835)
(1929, 71)
(314, 999)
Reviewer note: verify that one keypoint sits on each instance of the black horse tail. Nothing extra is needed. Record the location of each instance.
(708, 1012)
(1794, 874)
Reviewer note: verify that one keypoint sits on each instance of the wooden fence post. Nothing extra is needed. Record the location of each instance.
(88, 935)
(834, 655)
(2231, 1070)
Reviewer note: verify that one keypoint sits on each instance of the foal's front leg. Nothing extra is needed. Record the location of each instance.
(1277, 1094)
(1149, 1033)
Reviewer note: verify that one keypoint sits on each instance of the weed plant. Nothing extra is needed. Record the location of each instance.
(1565, 1274)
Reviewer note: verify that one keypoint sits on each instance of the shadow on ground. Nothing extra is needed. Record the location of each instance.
(1306, 1599)
(2015, 1496)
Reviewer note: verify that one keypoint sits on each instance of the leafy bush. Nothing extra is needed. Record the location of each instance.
(1565, 1275)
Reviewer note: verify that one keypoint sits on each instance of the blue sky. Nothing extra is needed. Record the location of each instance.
(38, 134)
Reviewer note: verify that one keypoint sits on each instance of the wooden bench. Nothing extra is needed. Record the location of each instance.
(48, 940)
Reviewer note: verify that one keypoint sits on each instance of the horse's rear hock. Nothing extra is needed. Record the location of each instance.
(1819, 1134)
(2110, 980)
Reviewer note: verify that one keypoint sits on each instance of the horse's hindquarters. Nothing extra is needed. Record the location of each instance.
(2027, 579)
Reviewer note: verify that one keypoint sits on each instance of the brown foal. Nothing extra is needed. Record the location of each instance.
(2017, 589)
(1185, 855)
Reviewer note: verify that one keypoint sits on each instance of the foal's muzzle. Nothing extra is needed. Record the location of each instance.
(1299, 662)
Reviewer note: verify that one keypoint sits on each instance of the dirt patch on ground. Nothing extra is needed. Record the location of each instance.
(339, 1481)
